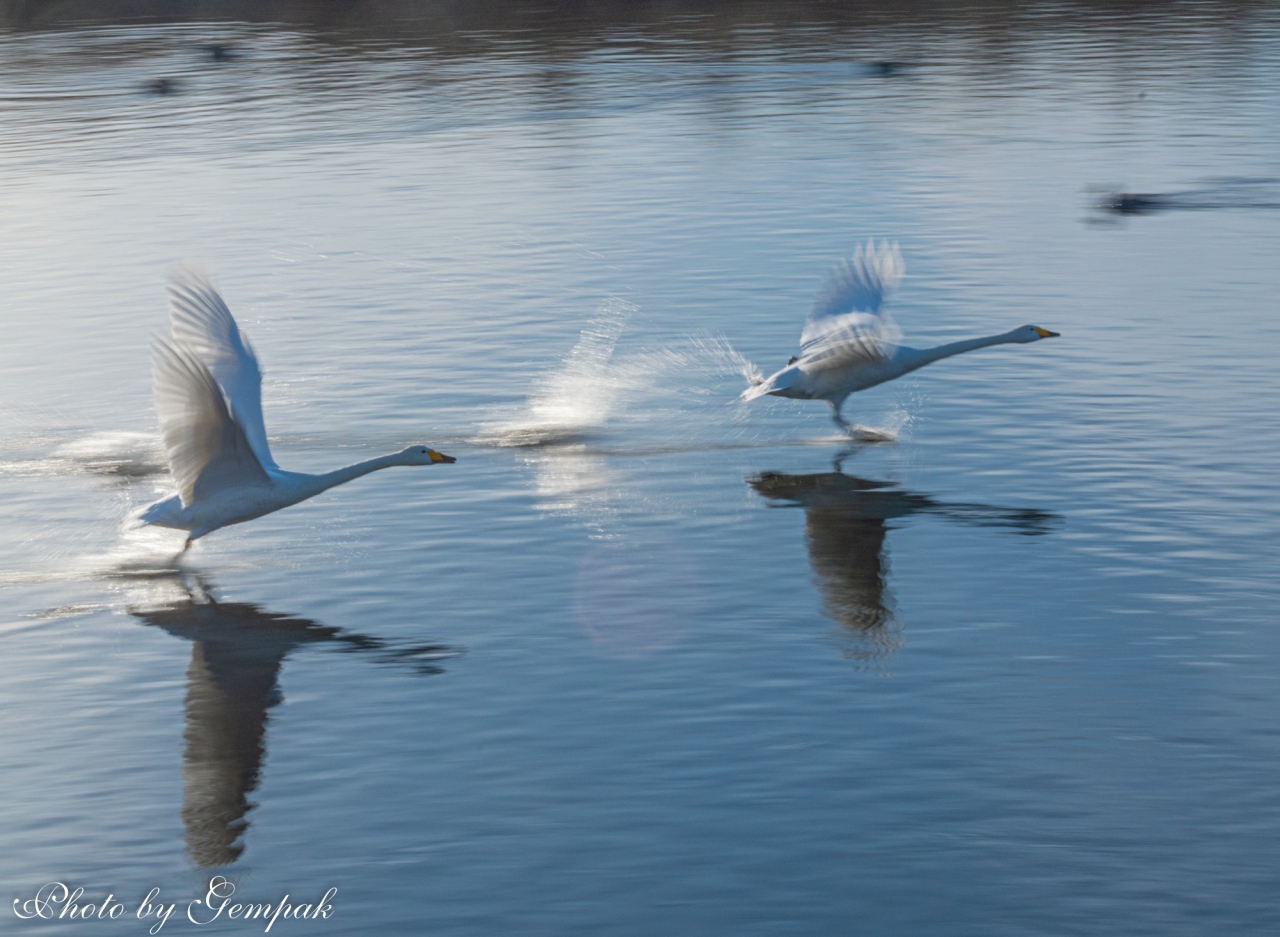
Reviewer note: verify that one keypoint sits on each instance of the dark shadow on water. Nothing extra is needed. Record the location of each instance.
(846, 520)
(237, 650)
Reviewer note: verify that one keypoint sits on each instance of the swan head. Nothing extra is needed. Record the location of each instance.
(423, 455)
(1031, 333)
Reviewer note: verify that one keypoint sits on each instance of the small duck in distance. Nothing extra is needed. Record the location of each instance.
(208, 396)
(849, 345)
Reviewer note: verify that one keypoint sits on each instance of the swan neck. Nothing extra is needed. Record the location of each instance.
(347, 473)
(930, 355)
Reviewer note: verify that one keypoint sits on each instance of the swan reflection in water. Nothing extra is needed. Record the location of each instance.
(846, 519)
(237, 650)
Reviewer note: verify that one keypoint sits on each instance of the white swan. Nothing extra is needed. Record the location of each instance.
(208, 395)
(848, 345)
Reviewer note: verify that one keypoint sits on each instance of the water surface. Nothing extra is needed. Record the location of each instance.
(686, 666)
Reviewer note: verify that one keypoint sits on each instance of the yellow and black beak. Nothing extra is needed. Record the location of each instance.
(1045, 333)
(440, 456)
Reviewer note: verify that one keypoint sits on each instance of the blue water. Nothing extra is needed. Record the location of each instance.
(689, 666)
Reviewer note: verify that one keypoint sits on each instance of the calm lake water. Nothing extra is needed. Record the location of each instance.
(689, 666)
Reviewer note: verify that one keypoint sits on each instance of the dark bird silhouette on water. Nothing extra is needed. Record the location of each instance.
(237, 650)
(163, 86)
(846, 522)
(1217, 194)
(217, 52)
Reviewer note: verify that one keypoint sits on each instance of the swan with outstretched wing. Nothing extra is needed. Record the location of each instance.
(208, 397)
(849, 344)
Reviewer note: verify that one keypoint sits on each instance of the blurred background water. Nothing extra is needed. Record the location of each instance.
(688, 666)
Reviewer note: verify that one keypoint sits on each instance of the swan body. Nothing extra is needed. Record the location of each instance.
(208, 396)
(849, 344)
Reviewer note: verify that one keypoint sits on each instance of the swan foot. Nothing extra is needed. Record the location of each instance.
(859, 433)
(867, 434)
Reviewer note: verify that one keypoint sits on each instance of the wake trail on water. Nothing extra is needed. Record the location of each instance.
(119, 454)
(134, 465)
(136, 551)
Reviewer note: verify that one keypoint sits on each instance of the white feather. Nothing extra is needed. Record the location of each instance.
(207, 449)
(846, 324)
(201, 321)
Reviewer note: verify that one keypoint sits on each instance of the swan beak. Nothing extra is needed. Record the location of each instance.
(1045, 333)
(440, 456)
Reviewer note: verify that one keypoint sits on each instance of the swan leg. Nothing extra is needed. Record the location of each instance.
(859, 434)
(186, 545)
(838, 419)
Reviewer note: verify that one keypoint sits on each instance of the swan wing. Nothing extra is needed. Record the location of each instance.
(846, 324)
(201, 321)
(208, 450)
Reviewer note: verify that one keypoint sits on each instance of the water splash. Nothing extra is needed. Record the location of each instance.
(578, 394)
(894, 426)
(593, 387)
(599, 404)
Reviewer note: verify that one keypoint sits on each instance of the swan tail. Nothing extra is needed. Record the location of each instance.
(164, 513)
(779, 385)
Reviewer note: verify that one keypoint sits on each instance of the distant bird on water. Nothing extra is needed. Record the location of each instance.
(208, 396)
(163, 86)
(848, 345)
(219, 53)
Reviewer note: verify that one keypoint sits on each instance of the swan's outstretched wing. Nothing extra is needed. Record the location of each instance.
(202, 322)
(208, 450)
(846, 324)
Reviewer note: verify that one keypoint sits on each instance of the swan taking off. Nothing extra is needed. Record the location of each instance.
(208, 394)
(848, 345)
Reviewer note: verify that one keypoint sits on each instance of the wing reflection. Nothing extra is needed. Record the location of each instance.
(237, 650)
(846, 519)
